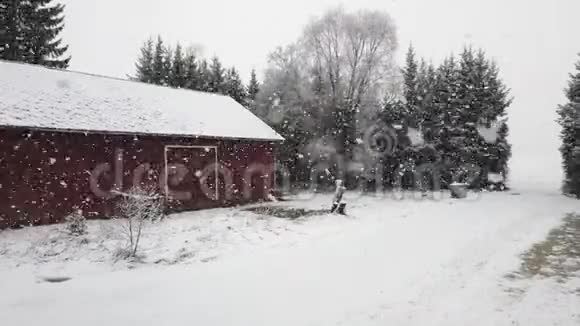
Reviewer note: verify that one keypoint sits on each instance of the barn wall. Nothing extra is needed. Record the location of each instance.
(44, 176)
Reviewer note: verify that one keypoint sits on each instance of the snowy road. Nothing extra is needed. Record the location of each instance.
(391, 263)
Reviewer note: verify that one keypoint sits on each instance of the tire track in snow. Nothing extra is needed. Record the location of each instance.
(473, 274)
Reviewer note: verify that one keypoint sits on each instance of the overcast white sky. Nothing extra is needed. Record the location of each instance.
(535, 43)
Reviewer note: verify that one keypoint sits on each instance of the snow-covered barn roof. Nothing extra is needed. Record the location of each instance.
(38, 97)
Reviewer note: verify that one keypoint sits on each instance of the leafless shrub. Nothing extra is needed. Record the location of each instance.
(135, 209)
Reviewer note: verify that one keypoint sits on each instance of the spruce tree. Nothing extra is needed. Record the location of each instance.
(216, 77)
(464, 118)
(191, 72)
(29, 32)
(144, 63)
(421, 82)
(158, 62)
(448, 81)
(431, 113)
(204, 75)
(393, 111)
(494, 100)
(482, 100)
(234, 87)
(178, 69)
(410, 87)
(11, 40)
(446, 103)
(467, 84)
(569, 120)
(168, 68)
(253, 86)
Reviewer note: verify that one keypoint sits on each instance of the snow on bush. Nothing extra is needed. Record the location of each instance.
(136, 209)
(491, 134)
(75, 223)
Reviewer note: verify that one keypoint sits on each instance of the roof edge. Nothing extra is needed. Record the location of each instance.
(124, 133)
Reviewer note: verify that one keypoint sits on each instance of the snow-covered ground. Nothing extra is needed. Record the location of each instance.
(390, 262)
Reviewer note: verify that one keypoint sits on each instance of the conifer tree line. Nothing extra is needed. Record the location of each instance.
(160, 64)
(569, 120)
(29, 32)
(459, 107)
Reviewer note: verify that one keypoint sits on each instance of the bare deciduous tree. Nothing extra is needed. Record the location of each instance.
(320, 89)
(135, 208)
(354, 52)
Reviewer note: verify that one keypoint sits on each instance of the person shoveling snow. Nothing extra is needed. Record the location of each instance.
(338, 205)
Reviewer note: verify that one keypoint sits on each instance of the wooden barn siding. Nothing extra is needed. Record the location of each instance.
(45, 175)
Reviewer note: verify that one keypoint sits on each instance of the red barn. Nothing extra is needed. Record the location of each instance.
(73, 141)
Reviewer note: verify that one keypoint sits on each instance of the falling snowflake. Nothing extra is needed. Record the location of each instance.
(490, 134)
(415, 136)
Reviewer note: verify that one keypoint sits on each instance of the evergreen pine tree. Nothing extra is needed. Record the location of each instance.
(431, 113)
(448, 80)
(204, 75)
(394, 111)
(253, 86)
(216, 77)
(569, 120)
(178, 69)
(465, 116)
(410, 88)
(482, 100)
(234, 87)
(29, 32)
(446, 103)
(467, 113)
(494, 99)
(11, 40)
(421, 82)
(168, 68)
(144, 63)
(191, 72)
(158, 62)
